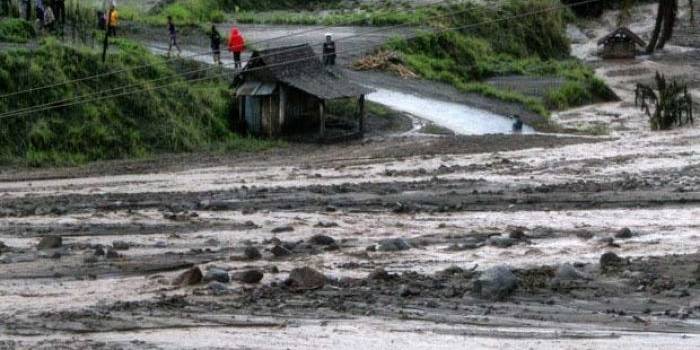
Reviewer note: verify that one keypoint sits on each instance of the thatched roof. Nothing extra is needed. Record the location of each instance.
(299, 67)
(625, 33)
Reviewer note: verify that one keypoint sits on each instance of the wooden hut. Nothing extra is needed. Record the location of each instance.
(621, 43)
(283, 90)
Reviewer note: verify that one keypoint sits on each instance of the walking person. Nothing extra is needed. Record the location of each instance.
(49, 19)
(173, 37)
(112, 21)
(40, 12)
(517, 124)
(329, 51)
(215, 37)
(236, 45)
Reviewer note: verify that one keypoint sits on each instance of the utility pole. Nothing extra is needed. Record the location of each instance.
(105, 45)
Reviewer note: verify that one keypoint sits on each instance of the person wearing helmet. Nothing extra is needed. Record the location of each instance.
(236, 45)
(329, 51)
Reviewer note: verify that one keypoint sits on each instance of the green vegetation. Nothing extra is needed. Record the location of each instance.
(16, 30)
(530, 46)
(672, 104)
(182, 117)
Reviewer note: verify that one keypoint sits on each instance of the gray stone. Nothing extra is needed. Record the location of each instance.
(501, 242)
(215, 286)
(112, 254)
(322, 240)
(610, 261)
(250, 276)
(496, 283)
(567, 272)
(99, 251)
(90, 259)
(217, 275)
(50, 242)
(280, 251)
(161, 244)
(393, 245)
(120, 245)
(252, 253)
(624, 233)
(305, 278)
(326, 224)
(283, 229)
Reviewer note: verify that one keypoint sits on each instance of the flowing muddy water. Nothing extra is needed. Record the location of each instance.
(459, 118)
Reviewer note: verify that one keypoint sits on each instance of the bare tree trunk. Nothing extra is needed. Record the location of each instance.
(657, 27)
(669, 22)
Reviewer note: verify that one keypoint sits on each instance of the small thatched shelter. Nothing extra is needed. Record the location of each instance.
(621, 43)
(285, 89)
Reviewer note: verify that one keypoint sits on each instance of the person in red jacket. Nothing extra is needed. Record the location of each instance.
(236, 44)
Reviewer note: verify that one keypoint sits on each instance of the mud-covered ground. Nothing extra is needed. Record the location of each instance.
(593, 241)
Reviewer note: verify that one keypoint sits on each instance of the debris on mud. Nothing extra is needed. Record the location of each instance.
(50, 242)
(393, 245)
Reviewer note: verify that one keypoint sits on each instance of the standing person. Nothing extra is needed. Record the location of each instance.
(236, 45)
(329, 51)
(113, 20)
(49, 19)
(5, 8)
(27, 8)
(173, 37)
(517, 124)
(59, 11)
(216, 44)
(40, 12)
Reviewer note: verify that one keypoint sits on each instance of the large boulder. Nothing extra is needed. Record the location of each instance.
(567, 272)
(610, 262)
(252, 253)
(624, 233)
(50, 242)
(250, 276)
(393, 245)
(322, 240)
(305, 278)
(496, 283)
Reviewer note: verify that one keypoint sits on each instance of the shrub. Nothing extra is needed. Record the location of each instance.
(16, 30)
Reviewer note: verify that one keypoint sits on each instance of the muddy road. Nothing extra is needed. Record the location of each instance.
(399, 240)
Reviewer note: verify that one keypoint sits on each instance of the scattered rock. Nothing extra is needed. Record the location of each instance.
(280, 251)
(120, 245)
(217, 275)
(212, 242)
(610, 261)
(250, 276)
(393, 245)
(112, 254)
(379, 274)
(496, 283)
(3, 247)
(326, 224)
(50, 242)
(283, 229)
(517, 234)
(567, 272)
(322, 240)
(408, 291)
(501, 242)
(189, 278)
(305, 278)
(99, 251)
(90, 259)
(371, 248)
(252, 253)
(161, 244)
(624, 233)
(216, 286)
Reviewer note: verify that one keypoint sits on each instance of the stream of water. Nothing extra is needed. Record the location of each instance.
(459, 118)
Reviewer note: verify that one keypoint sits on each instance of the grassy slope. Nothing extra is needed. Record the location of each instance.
(531, 45)
(15, 30)
(180, 118)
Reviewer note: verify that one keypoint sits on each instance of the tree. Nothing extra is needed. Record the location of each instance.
(666, 15)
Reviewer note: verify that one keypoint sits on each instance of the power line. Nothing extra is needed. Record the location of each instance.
(550, 9)
(30, 108)
(102, 75)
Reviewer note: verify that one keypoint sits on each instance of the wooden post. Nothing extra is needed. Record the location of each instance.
(105, 45)
(239, 119)
(283, 105)
(362, 114)
(322, 117)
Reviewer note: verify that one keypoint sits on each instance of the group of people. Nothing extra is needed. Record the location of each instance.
(236, 43)
(48, 13)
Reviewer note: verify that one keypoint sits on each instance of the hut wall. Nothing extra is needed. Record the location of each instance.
(270, 115)
(619, 49)
(301, 110)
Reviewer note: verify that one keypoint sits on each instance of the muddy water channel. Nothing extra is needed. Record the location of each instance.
(459, 118)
